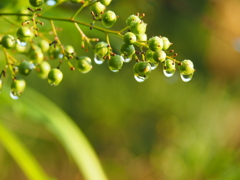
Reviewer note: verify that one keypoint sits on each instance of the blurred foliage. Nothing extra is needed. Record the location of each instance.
(161, 129)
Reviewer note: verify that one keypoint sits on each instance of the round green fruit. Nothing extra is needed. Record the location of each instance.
(186, 67)
(129, 38)
(155, 43)
(97, 8)
(55, 76)
(36, 3)
(159, 56)
(43, 69)
(8, 41)
(142, 68)
(44, 45)
(84, 64)
(24, 34)
(132, 18)
(18, 86)
(36, 57)
(141, 37)
(138, 27)
(109, 18)
(101, 49)
(105, 2)
(166, 43)
(54, 52)
(25, 67)
(169, 67)
(115, 63)
(127, 50)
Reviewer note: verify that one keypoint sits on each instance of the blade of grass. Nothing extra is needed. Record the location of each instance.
(21, 155)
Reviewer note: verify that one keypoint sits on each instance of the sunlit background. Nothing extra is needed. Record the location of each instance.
(161, 129)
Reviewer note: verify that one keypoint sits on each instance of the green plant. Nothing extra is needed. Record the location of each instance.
(147, 52)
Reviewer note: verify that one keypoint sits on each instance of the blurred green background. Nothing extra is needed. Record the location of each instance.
(161, 129)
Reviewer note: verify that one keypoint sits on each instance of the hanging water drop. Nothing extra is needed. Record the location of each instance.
(98, 60)
(13, 96)
(153, 65)
(168, 73)
(127, 59)
(51, 2)
(186, 78)
(21, 43)
(139, 78)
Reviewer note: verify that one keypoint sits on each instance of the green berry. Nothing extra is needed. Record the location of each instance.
(54, 52)
(138, 27)
(36, 57)
(149, 57)
(101, 49)
(141, 37)
(142, 68)
(97, 8)
(36, 3)
(155, 43)
(115, 63)
(132, 18)
(127, 51)
(169, 67)
(186, 67)
(159, 56)
(20, 49)
(129, 38)
(55, 76)
(43, 69)
(166, 43)
(24, 34)
(109, 18)
(105, 2)
(44, 45)
(17, 87)
(84, 64)
(8, 41)
(25, 67)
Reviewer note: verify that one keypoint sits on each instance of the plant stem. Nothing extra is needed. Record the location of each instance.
(86, 3)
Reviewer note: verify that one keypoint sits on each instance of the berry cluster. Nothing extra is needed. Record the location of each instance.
(151, 51)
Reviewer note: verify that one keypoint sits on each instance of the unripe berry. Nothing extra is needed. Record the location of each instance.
(186, 67)
(142, 68)
(8, 41)
(55, 76)
(155, 43)
(24, 34)
(115, 63)
(129, 38)
(101, 49)
(109, 18)
(84, 64)
(43, 69)
(127, 50)
(149, 57)
(159, 56)
(166, 43)
(44, 45)
(105, 2)
(17, 87)
(132, 18)
(169, 67)
(36, 3)
(54, 52)
(141, 37)
(138, 27)
(36, 56)
(97, 8)
(25, 67)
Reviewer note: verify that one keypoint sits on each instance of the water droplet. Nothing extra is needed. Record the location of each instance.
(13, 96)
(168, 73)
(21, 43)
(127, 59)
(51, 2)
(186, 78)
(98, 60)
(32, 66)
(60, 56)
(140, 78)
(153, 65)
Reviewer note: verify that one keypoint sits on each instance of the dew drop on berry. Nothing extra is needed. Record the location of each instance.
(168, 73)
(127, 59)
(186, 78)
(13, 96)
(50, 2)
(140, 78)
(21, 43)
(153, 65)
(98, 60)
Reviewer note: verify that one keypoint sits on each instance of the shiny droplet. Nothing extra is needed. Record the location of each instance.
(51, 2)
(115, 70)
(168, 73)
(98, 60)
(140, 78)
(127, 59)
(186, 78)
(153, 65)
(60, 56)
(21, 43)
(13, 96)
